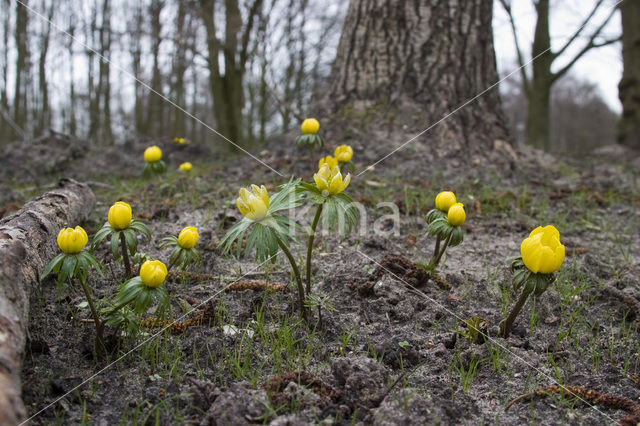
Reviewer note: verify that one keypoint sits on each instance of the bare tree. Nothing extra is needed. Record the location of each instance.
(22, 68)
(629, 87)
(44, 115)
(537, 87)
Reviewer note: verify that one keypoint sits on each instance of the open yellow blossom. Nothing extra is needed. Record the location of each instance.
(456, 214)
(343, 153)
(153, 273)
(120, 216)
(310, 126)
(253, 204)
(72, 240)
(152, 154)
(329, 160)
(186, 167)
(542, 251)
(444, 200)
(330, 180)
(188, 237)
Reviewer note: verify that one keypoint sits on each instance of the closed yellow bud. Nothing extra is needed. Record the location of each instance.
(343, 153)
(179, 141)
(120, 216)
(310, 126)
(330, 180)
(253, 204)
(542, 251)
(152, 154)
(188, 237)
(329, 160)
(186, 167)
(72, 240)
(456, 215)
(444, 200)
(153, 273)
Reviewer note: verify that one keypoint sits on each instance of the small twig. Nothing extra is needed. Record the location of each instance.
(256, 286)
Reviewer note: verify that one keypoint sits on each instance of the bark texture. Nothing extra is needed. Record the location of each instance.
(27, 243)
(629, 87)
(434, 54)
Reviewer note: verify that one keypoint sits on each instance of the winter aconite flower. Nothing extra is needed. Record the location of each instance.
(153, 273)
(254, 204)
(152, 154)
(343, 153)
(329, 160)
(179, 141)
(444, 200)
(186, 167)
(188, 237)
(456, 214)
(120, 216)
(72, 240)
(330, 180)
(310, 126)
(542, 251)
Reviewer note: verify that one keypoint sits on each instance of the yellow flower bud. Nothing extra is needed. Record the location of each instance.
(153, 273)
(179, 141)
(186, 167)
(456, 215)
(330, 180)
(329, 160)
(542, 252)
(72, 240)
(343, 153)
(444, 200)
(188, 237)
(152, 154)
(253, 205)
(120, 216)
(310, 126)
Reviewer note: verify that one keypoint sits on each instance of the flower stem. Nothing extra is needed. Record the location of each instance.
(296, 273)
(125, 254)
(505, 328)
(100, 346)
(436, 249)
(444, 247)
(312, 235)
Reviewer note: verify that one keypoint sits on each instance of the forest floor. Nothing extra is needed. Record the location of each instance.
(395, 348)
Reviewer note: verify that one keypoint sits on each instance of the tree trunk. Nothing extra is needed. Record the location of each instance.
(432, 54)
(105, 73)
(44, 119)
(629, 87)
(22, 68)
(179, 69)
(5, 129)
(27, 244)
(154, 119)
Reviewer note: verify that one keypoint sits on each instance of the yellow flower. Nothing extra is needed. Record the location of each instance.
(186, 167)
(179, 141)
(188, 237)
(253, 205)
(120, 216)
(444, 200)
(456, 215)
(541, 251)
(329, 160)
(72, 241)
(343, 153)
(330, 180)
(152, 154)
(153, 273)
(310, 126)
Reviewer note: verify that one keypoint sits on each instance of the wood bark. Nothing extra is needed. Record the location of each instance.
(27, 244)
(433, 54)
(629, 87)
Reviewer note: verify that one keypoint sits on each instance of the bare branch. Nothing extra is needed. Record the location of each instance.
(253, 12)
(523, 72)
(579, 30)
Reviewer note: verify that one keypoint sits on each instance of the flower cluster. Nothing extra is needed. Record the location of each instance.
(342, 156)
(444, 222)
(310, 137)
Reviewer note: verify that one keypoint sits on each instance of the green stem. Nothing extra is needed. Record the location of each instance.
(296, 273)
(312, 235)
(125, 254)
(444, 247)
(505, 328)
(100, 346)
(436, 249)
(120, 306)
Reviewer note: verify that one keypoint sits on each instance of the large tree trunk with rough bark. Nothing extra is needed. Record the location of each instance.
(629, 88)
(27, 243)
(433, 54)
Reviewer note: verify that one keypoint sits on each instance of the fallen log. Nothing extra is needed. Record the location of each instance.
(27, 243)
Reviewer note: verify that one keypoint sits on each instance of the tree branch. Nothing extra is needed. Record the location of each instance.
(253, 12)
(579, 30)
(523, 72)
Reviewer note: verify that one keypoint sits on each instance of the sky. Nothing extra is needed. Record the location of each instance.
(602, 66)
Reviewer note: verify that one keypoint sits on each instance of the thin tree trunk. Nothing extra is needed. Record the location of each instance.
(22, 67)
(105, 80)
(629, 87)
(72, 90)
(154, 118)
(5, 129)
(44, 119)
